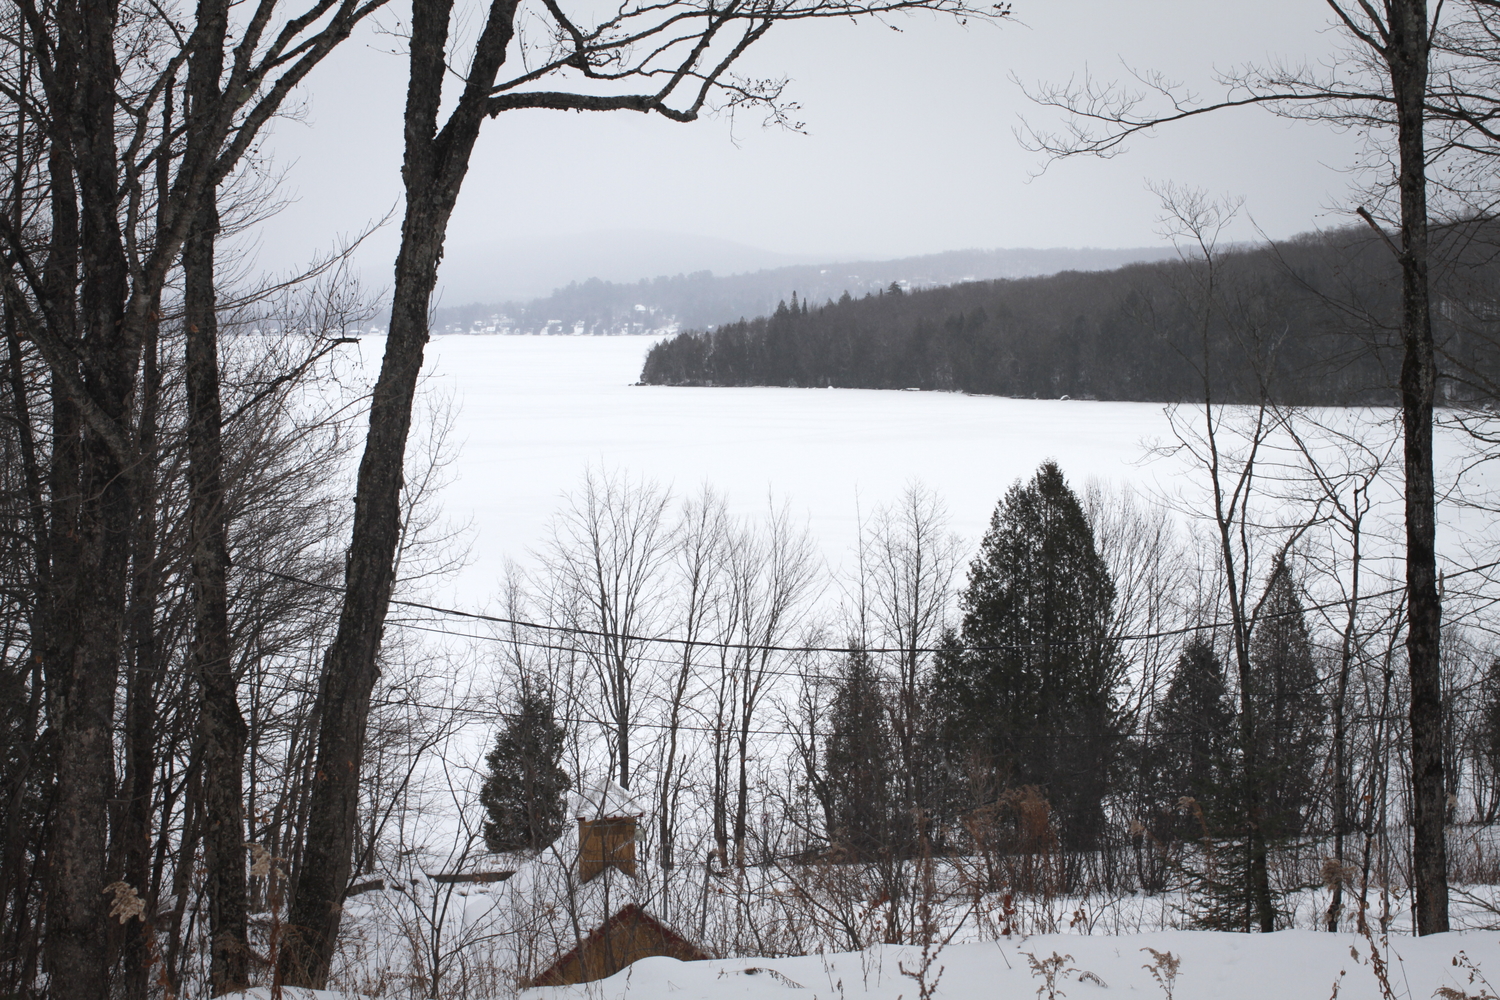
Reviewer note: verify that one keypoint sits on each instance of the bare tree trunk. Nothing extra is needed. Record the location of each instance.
(141, 686)
(77, 909)
(622, 711)
(221, 726)
(1407, 57)
(742, 799)
(187, 851)
(92, 587)
(723, 750)
(699, 551)
(142, 652)
(667, 796)
(1341, 733)
(1264, 912)
(433, 170)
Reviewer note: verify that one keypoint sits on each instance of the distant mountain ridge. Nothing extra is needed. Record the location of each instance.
(702, 299)
(522, 269)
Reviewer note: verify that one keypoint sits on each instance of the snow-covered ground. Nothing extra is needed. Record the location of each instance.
(1288, 965)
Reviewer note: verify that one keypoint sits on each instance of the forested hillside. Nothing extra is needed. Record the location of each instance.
(704, 299)
(1310, 320)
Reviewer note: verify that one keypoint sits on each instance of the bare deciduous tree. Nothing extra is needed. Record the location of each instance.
(702, 535)
(607, 562)
(904, 592)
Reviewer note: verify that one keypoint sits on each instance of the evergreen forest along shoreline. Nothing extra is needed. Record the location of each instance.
(1308, 321)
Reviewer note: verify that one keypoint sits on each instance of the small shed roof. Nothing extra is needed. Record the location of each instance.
(629, 935)
(606, 800)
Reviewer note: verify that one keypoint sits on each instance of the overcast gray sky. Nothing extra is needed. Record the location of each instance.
(909, 145)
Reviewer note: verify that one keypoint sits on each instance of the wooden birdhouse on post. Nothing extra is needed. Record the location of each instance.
(608, 824)
(604, 844)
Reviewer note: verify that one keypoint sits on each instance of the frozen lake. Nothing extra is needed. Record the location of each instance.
(533, 412)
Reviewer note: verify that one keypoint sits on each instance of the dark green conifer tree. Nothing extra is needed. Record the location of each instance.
(857, 779)
(1031, 685)
(1289, 707)
(1190, 749)
(523, 794)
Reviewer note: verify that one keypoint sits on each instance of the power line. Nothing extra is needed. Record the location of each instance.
(845, 650)
(732, 729)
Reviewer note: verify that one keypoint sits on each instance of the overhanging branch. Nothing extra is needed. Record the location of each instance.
(563, 101)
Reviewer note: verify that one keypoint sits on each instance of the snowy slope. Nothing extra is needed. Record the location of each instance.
(1289, 965)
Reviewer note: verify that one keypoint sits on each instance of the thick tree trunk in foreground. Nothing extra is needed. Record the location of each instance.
(91, 578)
(433, 170)
(1407, 57)
(88, 319)
(221, 727)
(349, 668)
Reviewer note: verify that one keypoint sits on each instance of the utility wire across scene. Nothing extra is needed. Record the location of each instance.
(771, 648)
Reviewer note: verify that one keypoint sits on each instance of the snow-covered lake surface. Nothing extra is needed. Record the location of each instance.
(532, 413)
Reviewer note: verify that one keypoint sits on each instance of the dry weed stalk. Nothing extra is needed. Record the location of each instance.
(1378, 964)
(1475, 978)
(1164, 968)
(1049, 970)
(925, 979)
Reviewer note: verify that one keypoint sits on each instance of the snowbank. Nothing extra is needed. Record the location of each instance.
(1288, 965)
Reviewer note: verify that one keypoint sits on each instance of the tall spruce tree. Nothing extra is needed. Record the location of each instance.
(857, 778)
(1288, 705)
(1286, 718)
(1189, 755)
(1030, 686)
(523, 792)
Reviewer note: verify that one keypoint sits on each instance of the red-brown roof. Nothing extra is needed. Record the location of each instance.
(688, 952)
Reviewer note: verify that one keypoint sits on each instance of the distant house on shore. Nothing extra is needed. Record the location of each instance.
(582, 908)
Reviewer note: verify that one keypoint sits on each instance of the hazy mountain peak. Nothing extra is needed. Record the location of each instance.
(508, 270)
